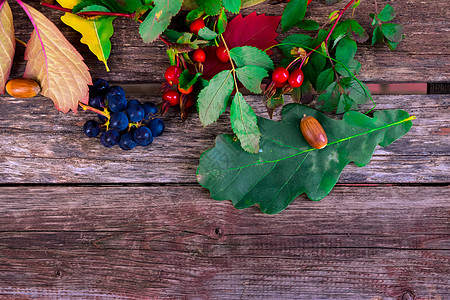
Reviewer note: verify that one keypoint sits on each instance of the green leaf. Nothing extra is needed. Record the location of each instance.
(222, 22)
(352, 29)
(211, 7)
(94, 8)
(247, 55)
(194, 14)
(207, 33)
(173, 35)
(392, 45)
(346, 104)
(329, 100)
(353, 66)
(387, 14)
(295, 40)
(355, 90)
(213, 99)
(393, 32)
(346, 50)
(244, 124)
(315, 65)
(187, 80)
(377, 36)
(324, 79)
(233, 6)
(251, 77)
(308, 25)
(294, 12)
(286, 165)
(171, 53)
(158, 19)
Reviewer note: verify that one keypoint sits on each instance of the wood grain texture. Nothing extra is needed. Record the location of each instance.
(424, 56)
(175, 242)
(44, 146)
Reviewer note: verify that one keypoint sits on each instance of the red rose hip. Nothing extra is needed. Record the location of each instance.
(280, 75)
(197, 25)
(296, 78)
(222, 54)
(172, 74)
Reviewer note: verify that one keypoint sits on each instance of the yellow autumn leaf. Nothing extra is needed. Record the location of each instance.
(95, 33)
(56, 64)
(7, 44)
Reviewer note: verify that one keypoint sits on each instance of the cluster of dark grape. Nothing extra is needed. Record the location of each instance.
(121, 122)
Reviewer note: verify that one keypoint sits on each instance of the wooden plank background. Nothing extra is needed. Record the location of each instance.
(80, 221)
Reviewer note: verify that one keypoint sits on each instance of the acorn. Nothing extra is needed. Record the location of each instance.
(22, 88)
(313, 132)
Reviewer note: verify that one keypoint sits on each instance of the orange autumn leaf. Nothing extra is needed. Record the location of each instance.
(55, 64)
(7, 44)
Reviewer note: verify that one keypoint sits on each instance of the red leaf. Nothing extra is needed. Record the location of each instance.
(253, 30)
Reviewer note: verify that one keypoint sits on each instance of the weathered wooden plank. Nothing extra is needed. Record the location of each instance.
(41, 145)
(422, 57)
(151, 242)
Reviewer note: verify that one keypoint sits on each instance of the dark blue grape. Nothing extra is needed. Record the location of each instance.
(118, 121)
(99, 87)
(156, 126)
(135, 113)
(96, 101)
(143, 136)
(127, 141)
(91, 128)
(110, 138)
(133, 102)
(150, 110)
(116, 99)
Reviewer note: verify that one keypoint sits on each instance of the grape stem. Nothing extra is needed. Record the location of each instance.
(100, 112)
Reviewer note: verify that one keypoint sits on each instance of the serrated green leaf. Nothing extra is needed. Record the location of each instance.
(355, 90)
(273, 103)
(353, 67)
(251, 77)
(378, 36)
(94, 8)
(213, 99)
(387, 14)
(286, 166)
(345, 104)
(324, 79)
(211, 7)
(173, 35)
(194, 14)
(295, 40)
(222, 22)
(244, 124)
(158, 19)
(294, 12)
(392, 45)
(187, 80)
(233, 6)
(308, 25)
(185, 38)
(329, 100)
(247, 55)
(393, 32)
(352, 29)
(83, 4)
(346, 50)
(207, 33)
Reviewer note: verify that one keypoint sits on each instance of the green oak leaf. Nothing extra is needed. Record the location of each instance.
(158, 19)
(207, 34)
(294, 12)
(387, 14)
(251, 77)
(244, 124)
(286, 165)
(213, 99)
(233, 6)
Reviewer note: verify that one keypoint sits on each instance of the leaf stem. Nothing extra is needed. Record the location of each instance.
(89, 13)
(232, 64)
